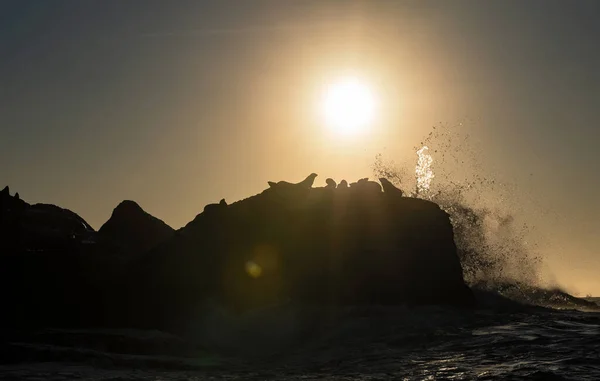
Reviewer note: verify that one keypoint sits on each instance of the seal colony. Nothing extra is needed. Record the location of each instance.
(331, 184)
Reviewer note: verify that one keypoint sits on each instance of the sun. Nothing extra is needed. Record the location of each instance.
(348, 106)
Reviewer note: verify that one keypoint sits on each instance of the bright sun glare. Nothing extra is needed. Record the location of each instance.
(348, 106)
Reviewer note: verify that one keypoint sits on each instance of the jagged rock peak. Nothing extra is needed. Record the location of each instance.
(134, 228)
(6, 190)
(128, 209)
(128, 205)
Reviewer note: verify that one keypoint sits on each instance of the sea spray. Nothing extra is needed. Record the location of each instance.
(424, 171)
(494, 249)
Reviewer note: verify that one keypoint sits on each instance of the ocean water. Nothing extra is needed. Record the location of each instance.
(504, 341)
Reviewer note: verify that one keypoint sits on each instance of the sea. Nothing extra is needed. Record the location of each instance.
(500, 340)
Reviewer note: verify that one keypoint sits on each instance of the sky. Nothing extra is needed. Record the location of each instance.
(177, 104)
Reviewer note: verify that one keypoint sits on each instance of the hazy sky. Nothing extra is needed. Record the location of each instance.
(176, 104)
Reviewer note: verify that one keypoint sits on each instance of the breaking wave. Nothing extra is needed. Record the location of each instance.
(496, 252)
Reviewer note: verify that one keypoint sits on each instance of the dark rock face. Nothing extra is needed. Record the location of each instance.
(55, 270)
(39, 227)
(133, 229)
(11, 210)
(325, 246)
(308, 245)
(47, 264)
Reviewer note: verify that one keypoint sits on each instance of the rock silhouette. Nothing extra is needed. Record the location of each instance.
(11, 210)
(135, 230)
(292, 242)
(48, 264)
(316, 247)
(38, 227)
(56, 270)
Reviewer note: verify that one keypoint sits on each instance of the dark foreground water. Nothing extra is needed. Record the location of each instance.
(354, 344)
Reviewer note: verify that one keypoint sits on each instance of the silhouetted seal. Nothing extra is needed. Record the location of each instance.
(388, 187)
(342, 185)
(210, 208)
(359, 182)
(330, 183)
(17, 197)
(5, 191)
(306, 183)
(309, 181)
(365, 185)
(369, 185)
(372, 185)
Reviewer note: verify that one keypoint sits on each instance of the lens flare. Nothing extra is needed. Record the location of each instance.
(253, 269)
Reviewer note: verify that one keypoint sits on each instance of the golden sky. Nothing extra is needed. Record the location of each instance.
(179, 104)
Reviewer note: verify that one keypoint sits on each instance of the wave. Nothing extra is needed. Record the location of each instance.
(495, 251)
